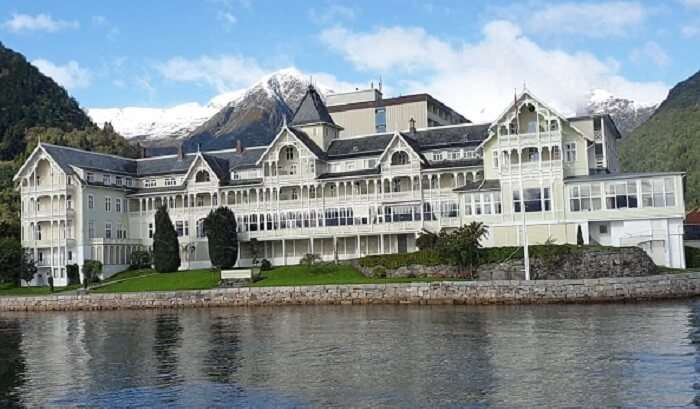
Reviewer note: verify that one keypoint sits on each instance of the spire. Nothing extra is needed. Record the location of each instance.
(312, 109)
(284, 121)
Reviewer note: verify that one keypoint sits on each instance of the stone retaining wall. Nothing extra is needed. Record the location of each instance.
(457, 292)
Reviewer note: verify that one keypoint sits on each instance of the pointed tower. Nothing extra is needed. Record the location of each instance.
(312, 118)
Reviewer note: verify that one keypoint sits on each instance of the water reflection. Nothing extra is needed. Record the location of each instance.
(642, 355)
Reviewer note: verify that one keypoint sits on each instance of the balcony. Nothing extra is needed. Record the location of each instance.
(50, 214)
(529, 139)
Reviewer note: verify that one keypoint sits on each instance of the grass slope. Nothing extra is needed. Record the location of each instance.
(8, 290)
(181, 280)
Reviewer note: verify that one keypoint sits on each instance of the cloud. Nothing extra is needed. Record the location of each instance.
(479, 78)
(40, 22)
(226, 17)
(690, 31)
(650, 51)
(70, 76)
(331, 14)
(691, 3)
(597, 20)
(224, 73)
(102, 22)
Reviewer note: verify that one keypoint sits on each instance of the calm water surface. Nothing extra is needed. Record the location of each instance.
(636, 355)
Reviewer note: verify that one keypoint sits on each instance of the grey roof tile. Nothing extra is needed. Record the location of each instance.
(311, 109)
(66, 157)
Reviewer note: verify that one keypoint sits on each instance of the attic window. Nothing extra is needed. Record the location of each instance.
(355, 148)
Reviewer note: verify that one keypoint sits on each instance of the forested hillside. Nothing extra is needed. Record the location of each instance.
(670, 139)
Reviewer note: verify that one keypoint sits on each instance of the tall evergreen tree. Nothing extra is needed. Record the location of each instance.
(166, 249)
(579, 236)
(220, 226)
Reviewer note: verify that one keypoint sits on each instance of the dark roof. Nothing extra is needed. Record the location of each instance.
(618, 176)
(220, 166)
(162, 189)
(361, 172)
(404, 99)
(479, 186)
(67, 157)
(311, 109)
(455, 163)
(466, 135)
(308, 142)
(164, 165)
(243, 182)
(414, 145)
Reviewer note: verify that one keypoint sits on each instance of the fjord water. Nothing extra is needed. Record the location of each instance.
(626, 355)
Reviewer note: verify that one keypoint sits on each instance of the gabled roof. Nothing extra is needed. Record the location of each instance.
(217, 165)
(311, 110)
(308, 142)
(66, 157)
(413, 145)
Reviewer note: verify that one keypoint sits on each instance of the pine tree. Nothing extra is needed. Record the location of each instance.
(579, 236)
(220, 226)
(166, 249)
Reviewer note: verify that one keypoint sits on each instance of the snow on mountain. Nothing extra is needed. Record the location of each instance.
(626, 113)
(178, 122)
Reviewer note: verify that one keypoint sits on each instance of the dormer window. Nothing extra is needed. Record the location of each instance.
(170, 182)
(202, 176)
(400, 158)
(90, 177)
(106, 179)
(118, 180)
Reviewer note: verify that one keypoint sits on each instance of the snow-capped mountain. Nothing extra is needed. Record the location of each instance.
(250, 114)
(627, 114)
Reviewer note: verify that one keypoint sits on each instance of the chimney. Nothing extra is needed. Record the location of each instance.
(180, 152)
(412, 125)
(239, 148)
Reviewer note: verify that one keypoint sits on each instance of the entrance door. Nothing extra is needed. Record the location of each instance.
(402, 243)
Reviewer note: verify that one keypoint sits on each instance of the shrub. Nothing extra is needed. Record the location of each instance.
(394, 261)
(579, 236)
(139, 259)
(166, 249)
(310, 259)
(379, 272)
(265, 265)
(427, 240)
(91, 271)
(73, 274)
(462, 246)
(692, 257)
(220, 226)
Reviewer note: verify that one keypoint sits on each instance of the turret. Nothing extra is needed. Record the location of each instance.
(312, 118)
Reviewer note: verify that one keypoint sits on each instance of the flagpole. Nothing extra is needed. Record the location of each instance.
(526, 250)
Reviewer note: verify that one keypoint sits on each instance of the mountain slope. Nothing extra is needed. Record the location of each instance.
(627, 114)
(255, 117)
(28, 99)
(670, 139)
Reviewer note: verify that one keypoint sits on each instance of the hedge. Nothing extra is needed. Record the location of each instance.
(692, 257)
(486, 255)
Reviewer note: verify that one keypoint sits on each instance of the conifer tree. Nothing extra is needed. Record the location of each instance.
(220, 226)
(166, 249)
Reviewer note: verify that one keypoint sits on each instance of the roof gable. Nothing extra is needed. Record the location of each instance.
(312, 109)
(299, 135)
(408, 142)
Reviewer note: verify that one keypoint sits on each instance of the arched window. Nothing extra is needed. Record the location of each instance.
(202, 176)
(201, 230)
(400, 158)
(289, 152)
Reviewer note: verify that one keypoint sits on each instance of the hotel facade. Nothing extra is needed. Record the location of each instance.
(312, 190)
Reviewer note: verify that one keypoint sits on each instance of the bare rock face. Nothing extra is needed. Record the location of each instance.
(626, 114)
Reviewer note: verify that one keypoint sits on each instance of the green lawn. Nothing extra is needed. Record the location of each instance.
(323, 274)
(129, 274)
(181, 280)
(8, 289)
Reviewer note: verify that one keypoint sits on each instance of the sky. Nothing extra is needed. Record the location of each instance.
(472, 55)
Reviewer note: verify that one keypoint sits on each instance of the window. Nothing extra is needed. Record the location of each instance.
(90, 177)
(201, 176)
(603, 229)
(215, 200)
(70, 255)
(149, 183)
(187, 228)
(380, 119)
(108, 204)
(293, 169)
(400, 158)
(658, 193)
(477, 204)
(585, 197)
(170, 182)
(91, 229)
(495, 159)
(570, 152)
(455, 155)
(129, 182)
(69, 202)
(437, 156)
(535, 200)
(179, 228)
(620, 195)
(295, 195)
(118, 180)
(201, 230)
(91, 202)
(106, 179)
(289, 152)
(37, 233)
(118, 205)
(371, 163)
(449, 209)
(108, 230)
(150, 230)
(487, 203)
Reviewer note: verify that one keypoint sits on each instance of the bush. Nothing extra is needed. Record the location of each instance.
(427, 240)
(139, 260)
(394, 261)
(379, 272)
(692, 257)
(73, 274)
(310, 259)
(91, 271)
(166, 249)
(265, 265)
